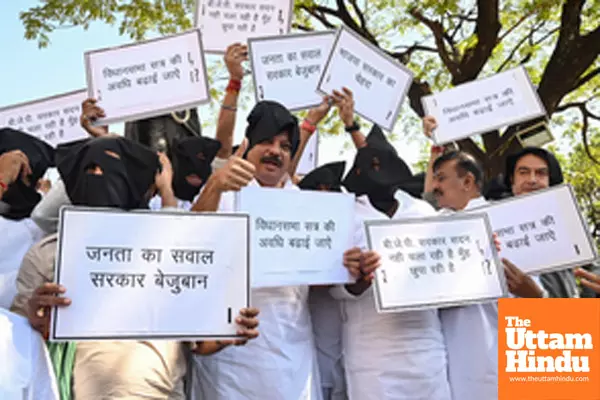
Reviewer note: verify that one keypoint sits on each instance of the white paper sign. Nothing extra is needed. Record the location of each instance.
(542, 231)
(235, 21)
(287, 69)
(148, 79)
(483, 105)
(435, 262)
(298, 237)
(53, 119)
(141, 274)
(379, 82)
(309, 159)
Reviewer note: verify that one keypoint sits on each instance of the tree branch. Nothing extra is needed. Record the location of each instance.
(586, 115)
(438, 33)
(486, 30)
(570, 24)
(515, 26)
(318, 12)
(344, 15)
(461, 20)
(302, 27)
(361, 15)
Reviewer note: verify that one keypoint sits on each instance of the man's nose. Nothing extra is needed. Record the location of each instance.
(532, 177)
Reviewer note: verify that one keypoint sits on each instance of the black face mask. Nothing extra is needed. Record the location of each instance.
(377, 173)
(111, 189)
(184, 167)
(21, 200)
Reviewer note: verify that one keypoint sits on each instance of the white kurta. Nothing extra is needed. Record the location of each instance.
(471, 334)
(280, 364)
(393, 356)
(26, 372)
(326, 318)
(17, 238)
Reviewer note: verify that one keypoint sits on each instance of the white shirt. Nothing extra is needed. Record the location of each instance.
(392, 356)
(26, 372)
(326, 319)
(17, 238)
(471, 334)
(278, 365)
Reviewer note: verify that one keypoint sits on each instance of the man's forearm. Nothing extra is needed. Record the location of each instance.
(208, 348)
(226, 124)
(209, 199)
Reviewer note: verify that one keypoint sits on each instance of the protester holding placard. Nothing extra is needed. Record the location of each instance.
(527, 171)
(389, 355)
(325, 311)
(23, 161)
(281, 363)
(110, 172)
(471, 332)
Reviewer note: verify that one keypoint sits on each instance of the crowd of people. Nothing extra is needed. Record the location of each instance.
(300, 342)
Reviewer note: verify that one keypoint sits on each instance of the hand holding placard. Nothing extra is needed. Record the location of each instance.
(378, 81)
(344, 101)
(148, 79)
(90, 112)
(235, 55)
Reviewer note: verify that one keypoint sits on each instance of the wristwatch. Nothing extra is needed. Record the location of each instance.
(352, 128)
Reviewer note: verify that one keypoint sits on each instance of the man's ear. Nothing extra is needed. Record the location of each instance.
(470, 182)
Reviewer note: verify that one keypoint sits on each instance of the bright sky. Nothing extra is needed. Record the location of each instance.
(30, 73)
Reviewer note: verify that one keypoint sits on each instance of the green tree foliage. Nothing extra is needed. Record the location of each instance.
(584, 175)
(444, 42)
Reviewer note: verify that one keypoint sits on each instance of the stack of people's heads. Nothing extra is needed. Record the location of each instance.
(119, 172)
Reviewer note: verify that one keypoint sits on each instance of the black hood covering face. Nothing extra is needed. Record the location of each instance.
(269, 119)
(21, 198)
(327, 177)
(192, 156)
(554, 170)
(377, 171)
(125, 180)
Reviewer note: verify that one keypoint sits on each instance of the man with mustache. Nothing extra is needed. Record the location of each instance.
(471, 332)
(111, 172)
(23, 161)
(280, 364)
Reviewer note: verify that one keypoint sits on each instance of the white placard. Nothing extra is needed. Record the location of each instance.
(298, 237)
(148, 79)
(483, 105)
(287, 69)
(141, 274)
(310, 157)
(235, 21)
(54, 120)
(542, 231)
(379, 82)
(435, 262)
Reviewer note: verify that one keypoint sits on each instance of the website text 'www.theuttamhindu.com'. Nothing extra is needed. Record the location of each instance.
(555, 378)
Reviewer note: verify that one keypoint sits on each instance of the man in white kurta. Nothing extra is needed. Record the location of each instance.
(394, 355)
(280, 363)
(471, 332)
